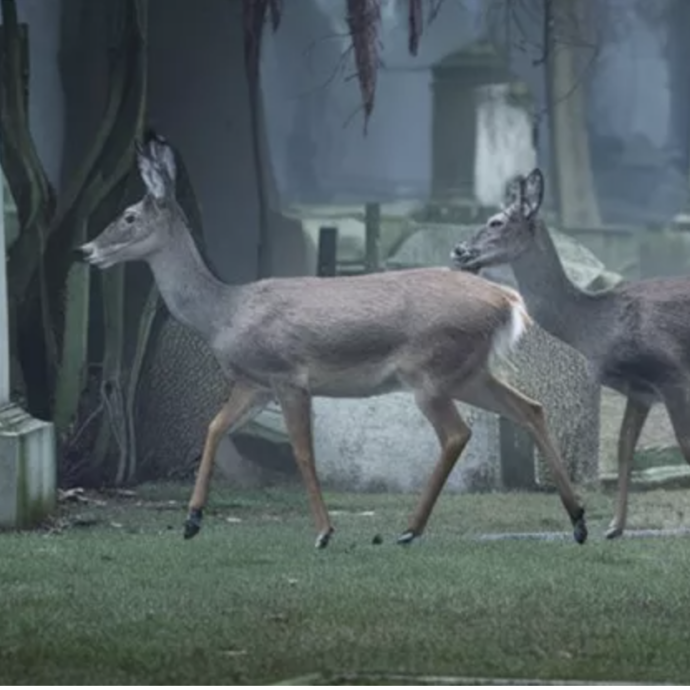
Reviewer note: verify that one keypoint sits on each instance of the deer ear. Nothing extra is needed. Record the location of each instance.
(164, 156)
(513, 191)
(533, 193)
(150, 174)
(156, 161)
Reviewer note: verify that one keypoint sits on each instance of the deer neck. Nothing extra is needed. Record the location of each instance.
(192, 294)
(578, 318)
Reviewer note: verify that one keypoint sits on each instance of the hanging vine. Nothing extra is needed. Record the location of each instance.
(363, 19)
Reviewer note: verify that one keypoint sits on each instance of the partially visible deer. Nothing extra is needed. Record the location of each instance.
(430, 332)
(636, 335)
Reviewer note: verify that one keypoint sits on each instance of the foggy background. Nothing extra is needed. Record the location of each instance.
(637, 101)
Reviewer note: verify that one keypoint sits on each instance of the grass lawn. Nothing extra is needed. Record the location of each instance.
(117, 596)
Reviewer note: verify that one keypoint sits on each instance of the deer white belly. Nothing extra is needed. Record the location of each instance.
(360, 381)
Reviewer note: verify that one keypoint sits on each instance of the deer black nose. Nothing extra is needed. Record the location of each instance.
(83, 252)
(464, 258)
(461, 251)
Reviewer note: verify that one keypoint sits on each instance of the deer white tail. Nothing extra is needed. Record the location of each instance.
(508, 336)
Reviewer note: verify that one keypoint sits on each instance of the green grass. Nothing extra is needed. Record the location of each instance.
(118, 596)
(647, 459)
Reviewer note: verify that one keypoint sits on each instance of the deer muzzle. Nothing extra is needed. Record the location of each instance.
(79, 254)
(464, 258)
(90, 254)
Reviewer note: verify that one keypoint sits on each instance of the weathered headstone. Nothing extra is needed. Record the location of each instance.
(28, 473)
(386, 444)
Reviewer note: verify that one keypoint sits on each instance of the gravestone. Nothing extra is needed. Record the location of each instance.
(28, 469)
(386, 444)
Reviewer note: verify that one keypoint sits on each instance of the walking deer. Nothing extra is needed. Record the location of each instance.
(636, 335)
(431, 332)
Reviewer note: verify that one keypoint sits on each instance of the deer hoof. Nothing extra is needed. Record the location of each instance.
(580, 528)
(323, 539)
(192, 525)
(407, 538)
(613, 532)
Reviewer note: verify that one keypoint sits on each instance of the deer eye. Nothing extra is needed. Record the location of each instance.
(496, 223)
(129, 218)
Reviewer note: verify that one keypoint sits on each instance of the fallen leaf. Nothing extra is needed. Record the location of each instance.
(84, 521)
(125, 493)
(234, 652)
(76, 495)
(278, 617)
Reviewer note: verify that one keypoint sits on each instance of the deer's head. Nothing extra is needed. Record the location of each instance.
(142, 229)
(509, 233)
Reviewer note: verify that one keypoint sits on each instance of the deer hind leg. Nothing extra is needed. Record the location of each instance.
(243, 403)
(634, 417)
(453, 435)
(489, 393)
(296, 405)
(676, 397)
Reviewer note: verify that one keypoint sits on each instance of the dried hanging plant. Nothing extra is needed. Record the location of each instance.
(414, 25)
(363, 19)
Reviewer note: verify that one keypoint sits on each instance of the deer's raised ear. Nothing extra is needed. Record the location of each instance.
(513, 191)
(533, 193)
(150, 172)
(163, 155)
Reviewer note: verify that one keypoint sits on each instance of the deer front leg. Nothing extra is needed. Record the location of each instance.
(244, 402)
(453, 435)
(634, 417)
(296, 405)
(494, 395)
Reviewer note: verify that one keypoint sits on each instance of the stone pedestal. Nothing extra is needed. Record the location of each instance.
(28, 474)
(28, 471)
(384, 444)
(456, 79)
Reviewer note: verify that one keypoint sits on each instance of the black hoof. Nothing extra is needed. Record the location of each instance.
(614, 532)
(580, 528)
(192, 525)
(407, 537)
(323, 539)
